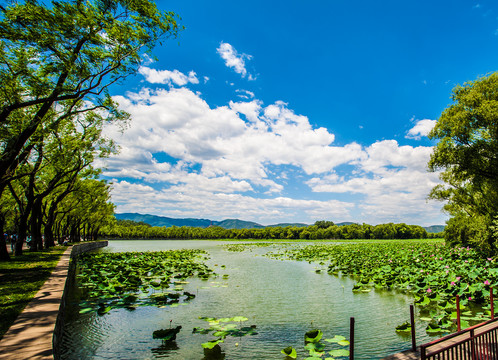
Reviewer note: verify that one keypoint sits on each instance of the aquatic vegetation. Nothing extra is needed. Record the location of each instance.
(316, 349)
(432, 272)
(223, 327)
(167, 334)
(250, 246)
(131, 279)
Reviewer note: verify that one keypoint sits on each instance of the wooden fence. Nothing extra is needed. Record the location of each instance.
(479, 342)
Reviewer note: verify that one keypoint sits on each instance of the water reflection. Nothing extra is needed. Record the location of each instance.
(283, 298)
(214, 354)
(164, 349)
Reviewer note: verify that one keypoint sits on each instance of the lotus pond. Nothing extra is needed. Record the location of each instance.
(150, 299)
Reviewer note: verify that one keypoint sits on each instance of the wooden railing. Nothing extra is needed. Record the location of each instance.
(479, 342)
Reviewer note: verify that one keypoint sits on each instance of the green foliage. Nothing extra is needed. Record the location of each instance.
(57, 61)
(429, 270)
(323, 224)
(223, 327)
(131, 279)
(353, 231)
(317, 349)
(467, 134)
(166, 334)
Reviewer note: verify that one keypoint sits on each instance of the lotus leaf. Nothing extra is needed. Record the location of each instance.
(404, 327)
(126, 279)
(313, 336)
(429, 270)
(211, 344)
(339, 352)
(290, 352)
(166, 334)
(239, 318)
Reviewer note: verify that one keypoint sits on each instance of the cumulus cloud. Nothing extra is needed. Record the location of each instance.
(182, 157)
(176, 77)
(392, 179)
(189, 202)
(238, 139)
(421, 128)
(233, 59)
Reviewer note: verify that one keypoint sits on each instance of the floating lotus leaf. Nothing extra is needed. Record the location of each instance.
(126, 279)
(239, 318)
(166, 334)
(211, 344)
(86, 310)
(339, 352)
(405, 327)
(313, 336)
(290, 352)
(335, 339)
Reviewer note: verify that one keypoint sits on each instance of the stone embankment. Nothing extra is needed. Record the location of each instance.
(37, 330)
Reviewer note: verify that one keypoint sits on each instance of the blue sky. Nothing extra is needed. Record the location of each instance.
(296, 111)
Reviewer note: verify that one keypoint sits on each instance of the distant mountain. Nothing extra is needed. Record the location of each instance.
(345, 223)
(288, 224)
(237, 224)
(154, 220)
(435, 228)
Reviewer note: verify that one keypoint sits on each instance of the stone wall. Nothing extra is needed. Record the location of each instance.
(77, 249)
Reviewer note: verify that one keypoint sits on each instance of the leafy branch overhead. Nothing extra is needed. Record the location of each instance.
(57, 63)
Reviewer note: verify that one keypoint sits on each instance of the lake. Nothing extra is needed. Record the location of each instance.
(283, 298)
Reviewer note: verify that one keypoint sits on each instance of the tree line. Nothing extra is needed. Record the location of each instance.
(57, 63)
(321, 230)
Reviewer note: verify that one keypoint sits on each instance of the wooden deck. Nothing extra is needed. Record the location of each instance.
(483, 350)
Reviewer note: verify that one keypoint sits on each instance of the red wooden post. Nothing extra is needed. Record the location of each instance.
(472, 345)
(351, 338)
(458, 312)
(412, 324)
(492, 302)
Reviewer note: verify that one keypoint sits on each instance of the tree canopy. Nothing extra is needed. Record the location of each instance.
(127, 229)
(57, 63)
(467, 152)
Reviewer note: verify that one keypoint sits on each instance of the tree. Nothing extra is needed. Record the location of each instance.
(57, 63)
(323, 224)
(467, 152)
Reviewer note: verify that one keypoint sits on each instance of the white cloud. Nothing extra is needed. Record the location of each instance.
(176, 77)
(245, 94)
(234, 60)
(421, 128)
(190, 202)
(236, 161)
(393, 180)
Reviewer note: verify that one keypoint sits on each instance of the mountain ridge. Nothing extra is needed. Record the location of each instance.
(155, 220)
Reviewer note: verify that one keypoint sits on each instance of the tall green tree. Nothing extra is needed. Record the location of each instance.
(58, 61)
(467, 154)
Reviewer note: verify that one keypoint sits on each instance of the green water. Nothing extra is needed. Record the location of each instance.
(284, 299)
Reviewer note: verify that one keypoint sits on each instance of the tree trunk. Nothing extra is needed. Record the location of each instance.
(21, 234)
(36, 224)
(4, 253)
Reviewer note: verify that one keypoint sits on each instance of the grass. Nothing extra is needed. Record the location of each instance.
(20, 279)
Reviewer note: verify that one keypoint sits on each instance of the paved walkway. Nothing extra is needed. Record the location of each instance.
(405, 355)
(30, 337)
